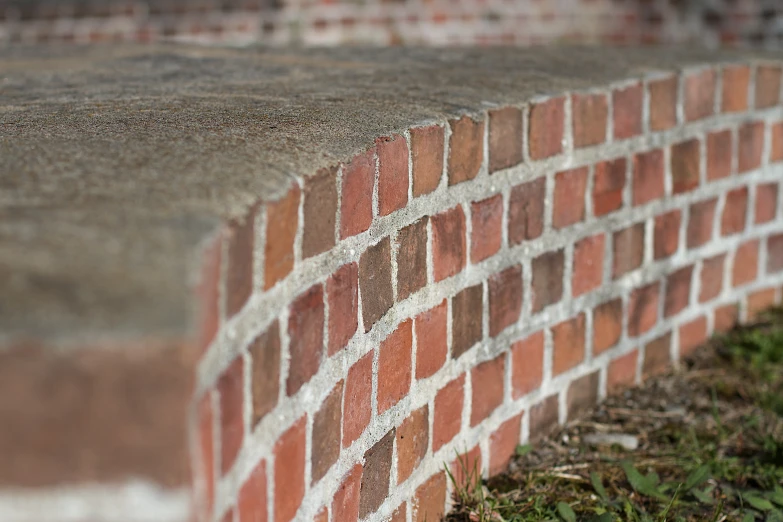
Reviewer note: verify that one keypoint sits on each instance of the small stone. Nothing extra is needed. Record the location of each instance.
(626, 441)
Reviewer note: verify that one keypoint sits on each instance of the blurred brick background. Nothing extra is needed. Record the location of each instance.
(395, 22)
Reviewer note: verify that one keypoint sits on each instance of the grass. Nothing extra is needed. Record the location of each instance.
(710, 447)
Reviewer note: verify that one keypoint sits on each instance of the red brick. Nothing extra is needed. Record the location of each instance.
(547, 280)
(526, 211)
(322, 515)
(766, 202)
(643, 309)
(306, 333)
(208, 292)
(750, 146)
(622, 371)
(466, 323)
(648, 172)
(289, 471)
(392, 174)
(357, 407)
(627, 108)
(430, 500)
(760, 301)
(775, 253)
(568, 338)
(543, 416)
(699, 94)
(487, 227)
(412, 259)
(412, 442)
(503, 443)
(394, 366)
(719, 149)
(582, 394)
(282, 220)
(320, 212)
(527, 365)
(589, 113)
(545, 128)
(229, 516)
(206, 418)
(734, 211)
(628, 250)
(588, 267)
(607, 325)
(448, 243)
(776, 145)
(736, 80)
(692, 335)
(251, 502)
(239, 272)
(767, 86)
(400, 514)
(725, 318)
(431, 348)
(326, 433)
(685, 163)
(342, 290)
(345, 504)
(466, 149)
(467, 469)
(230, 389)
(265, 357)
(666, 234)
(357, 188)
(700, 221)
(569, 206)
(376, 475)
(448, 412)
(608, 186)
(375, 282)
(427, 158)
(711, 278)
(505, 138)
(487, 381)
(505, 299)
(746, 262)
(657, 355)
(678, 291)
(663, 103)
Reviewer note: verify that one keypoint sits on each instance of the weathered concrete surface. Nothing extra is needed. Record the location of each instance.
(115, 162)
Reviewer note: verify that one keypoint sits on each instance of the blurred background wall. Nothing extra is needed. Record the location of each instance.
(395, 22)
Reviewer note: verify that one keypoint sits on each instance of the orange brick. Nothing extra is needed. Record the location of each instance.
(627, 108)
(766, 202)
(289, 471)
(569, 204)
(589, 114)
(666, 234)
(607, 325)
(751, 146)
(431, 348)
(345, 504)
(412, 442)
(719, 150)
(487, 380)
(608, 185)
(467, 468)
(699, 95)
(569, 344)
(357, 407)
(622, 371)
(648, 173)
(505, 138)
(427, 158)
(429, 503)
(392, 174)
(358, 183)
(342, 289)
(282, 218)
(692, 335)
(746, 262)
(394, 366)
(776, 145)
(503, 443)
(448, 412)
(487, 227)
(545, 128)
(527, 365)
(643, 309)
(736, 80)
(767, 86)
(734, 211)
(251, 501)
(759, 301)
(663, 103)
(588, 266)
(466, 149)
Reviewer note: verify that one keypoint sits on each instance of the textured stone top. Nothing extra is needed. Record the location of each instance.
(116, 162)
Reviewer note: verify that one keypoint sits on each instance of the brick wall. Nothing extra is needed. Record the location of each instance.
(464, 285)
(384, 22)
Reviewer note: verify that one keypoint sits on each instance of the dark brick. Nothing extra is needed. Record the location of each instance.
(320, 212)
(627, 249)
(692, 335)
(357, 409)
(357, 188)
(526, 211)
(505, 299)
(569, 205)
(736, 80)
(774, 253)
(427, 158)
(412, 259)
(375, 282)
(505, 138)
(734, 211)
(643, 309)
(663, 103)
(239, 272)
(265, 356)
(568, 340)
(545, 128)
(392, 174)
(719, 151)
(326, 433)
(657, 355)
(589, 113)
(342, 290)
(621, 372)
(466, 312)
(547, 279)
(627, 109)
(448, 243)
(746, 263)
(230, 388)
(466, 149)
(776, 142)
(544, 417)
(376, 475)
(767, 86)
(306, 333)
(666, 234)
(486, 227)
(766, 202)
(685, 166)
(395, 366)
(699, 94)
(582, 394)
(702, 216)
(711, 278)
(431, 348)
(678, 291)
(648, 174)
(607, 325)
(608, 186)
(750, 146)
